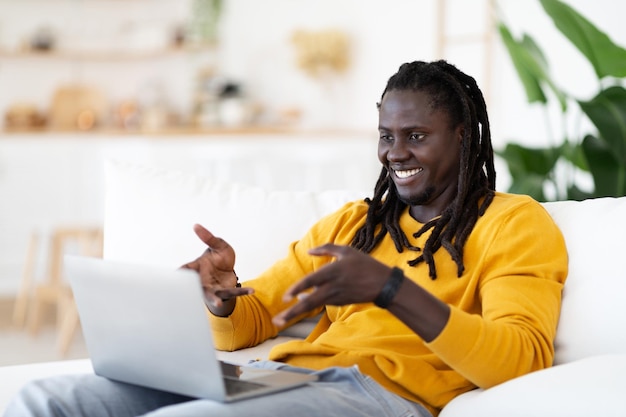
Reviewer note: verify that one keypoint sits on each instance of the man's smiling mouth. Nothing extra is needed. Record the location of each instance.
(407, 173)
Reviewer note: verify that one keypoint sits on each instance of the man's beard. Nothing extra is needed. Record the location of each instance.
(419, 199)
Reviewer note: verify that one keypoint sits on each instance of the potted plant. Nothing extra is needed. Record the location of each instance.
(601, 153)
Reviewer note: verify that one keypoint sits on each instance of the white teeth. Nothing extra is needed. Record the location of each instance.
(406, 174)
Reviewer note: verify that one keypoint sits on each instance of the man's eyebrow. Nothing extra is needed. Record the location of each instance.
(404, 128)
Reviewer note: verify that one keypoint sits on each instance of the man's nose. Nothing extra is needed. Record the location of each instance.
(398, 151)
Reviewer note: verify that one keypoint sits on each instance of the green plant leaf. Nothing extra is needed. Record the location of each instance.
(607, 111)
(575, 193)
(530, 168)
(609, 176)
(607, 58)
(573, 153)
(531, 185)
(539, 65)
(524, 161)
(518, 54)
(603, 156)
(531, 66)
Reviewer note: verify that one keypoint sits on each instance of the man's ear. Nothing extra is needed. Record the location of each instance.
(460, 132)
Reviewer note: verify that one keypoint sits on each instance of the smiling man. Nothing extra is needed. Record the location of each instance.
(421, 149)
(434, 286)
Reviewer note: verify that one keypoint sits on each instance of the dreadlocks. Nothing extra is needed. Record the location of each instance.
(459, 95)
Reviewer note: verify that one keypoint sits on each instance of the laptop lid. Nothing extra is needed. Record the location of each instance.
(148, 326)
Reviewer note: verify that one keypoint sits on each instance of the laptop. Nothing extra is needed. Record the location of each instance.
(148, 326)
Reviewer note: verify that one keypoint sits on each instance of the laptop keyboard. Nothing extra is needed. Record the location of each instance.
(237, 386)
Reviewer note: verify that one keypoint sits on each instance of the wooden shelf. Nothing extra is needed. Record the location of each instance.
(101, 56)
(217, 132)
(174, 130)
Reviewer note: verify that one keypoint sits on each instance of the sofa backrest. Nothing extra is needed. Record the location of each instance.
(149, 215)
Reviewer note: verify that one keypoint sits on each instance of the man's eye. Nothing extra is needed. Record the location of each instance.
(416, 136)
(386, 138)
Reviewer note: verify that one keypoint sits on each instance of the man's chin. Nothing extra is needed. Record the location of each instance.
(417, 199)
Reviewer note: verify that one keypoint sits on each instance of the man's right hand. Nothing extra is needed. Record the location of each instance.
(216, 269)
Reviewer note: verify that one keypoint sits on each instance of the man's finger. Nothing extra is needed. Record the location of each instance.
(216, 298)
(299, 287)
(329, 249)
(307, 302)
(316, 279)
(227, 293)
(191, 265)
(203, 234)
(211, 298)
(212, 241)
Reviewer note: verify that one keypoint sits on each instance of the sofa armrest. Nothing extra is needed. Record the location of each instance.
(12, 378)
(593, 386)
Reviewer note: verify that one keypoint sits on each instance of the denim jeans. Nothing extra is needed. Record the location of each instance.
(340, 392)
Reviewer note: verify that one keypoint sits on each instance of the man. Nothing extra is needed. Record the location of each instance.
(434, 286)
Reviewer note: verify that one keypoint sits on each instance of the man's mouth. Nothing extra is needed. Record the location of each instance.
(407, 173)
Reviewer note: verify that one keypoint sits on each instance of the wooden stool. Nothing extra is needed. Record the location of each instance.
(24, 295)
(54, 289)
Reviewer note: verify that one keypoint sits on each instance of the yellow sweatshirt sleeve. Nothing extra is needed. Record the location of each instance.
(519, 292)
(251, 321)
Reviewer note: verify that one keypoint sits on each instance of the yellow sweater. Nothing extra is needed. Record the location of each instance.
(504, 308)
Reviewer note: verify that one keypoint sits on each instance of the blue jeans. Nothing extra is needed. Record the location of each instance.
(340, 392)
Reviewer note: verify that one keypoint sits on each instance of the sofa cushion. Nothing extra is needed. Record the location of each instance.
(588, 387)
(150, 213)
(593, 314)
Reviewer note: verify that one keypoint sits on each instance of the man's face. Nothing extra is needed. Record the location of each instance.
(421, 151)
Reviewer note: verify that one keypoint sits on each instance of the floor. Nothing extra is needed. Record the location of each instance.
(18, 346)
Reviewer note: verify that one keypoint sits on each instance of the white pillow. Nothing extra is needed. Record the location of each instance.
(593, 315)
(588, 387)
(150, 213)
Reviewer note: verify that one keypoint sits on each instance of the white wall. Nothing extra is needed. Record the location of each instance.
(383, 35)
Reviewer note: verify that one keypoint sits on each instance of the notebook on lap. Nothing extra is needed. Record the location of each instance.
(148, 326)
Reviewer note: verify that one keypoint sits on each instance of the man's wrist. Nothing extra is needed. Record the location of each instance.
(390, 289)
(228, 304)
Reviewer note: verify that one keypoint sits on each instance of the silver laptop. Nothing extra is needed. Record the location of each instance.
(148, 326)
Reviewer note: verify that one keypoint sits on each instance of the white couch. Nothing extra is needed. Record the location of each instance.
(149, 218)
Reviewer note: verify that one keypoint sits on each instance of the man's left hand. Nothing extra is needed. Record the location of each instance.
(355, 277)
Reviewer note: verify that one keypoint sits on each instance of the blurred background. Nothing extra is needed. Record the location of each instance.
(196, 84)
(162, 64)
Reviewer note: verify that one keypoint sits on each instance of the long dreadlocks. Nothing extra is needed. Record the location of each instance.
(458, 94)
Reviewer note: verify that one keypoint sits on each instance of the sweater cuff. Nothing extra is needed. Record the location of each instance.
(223, 332)
(460, 326)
